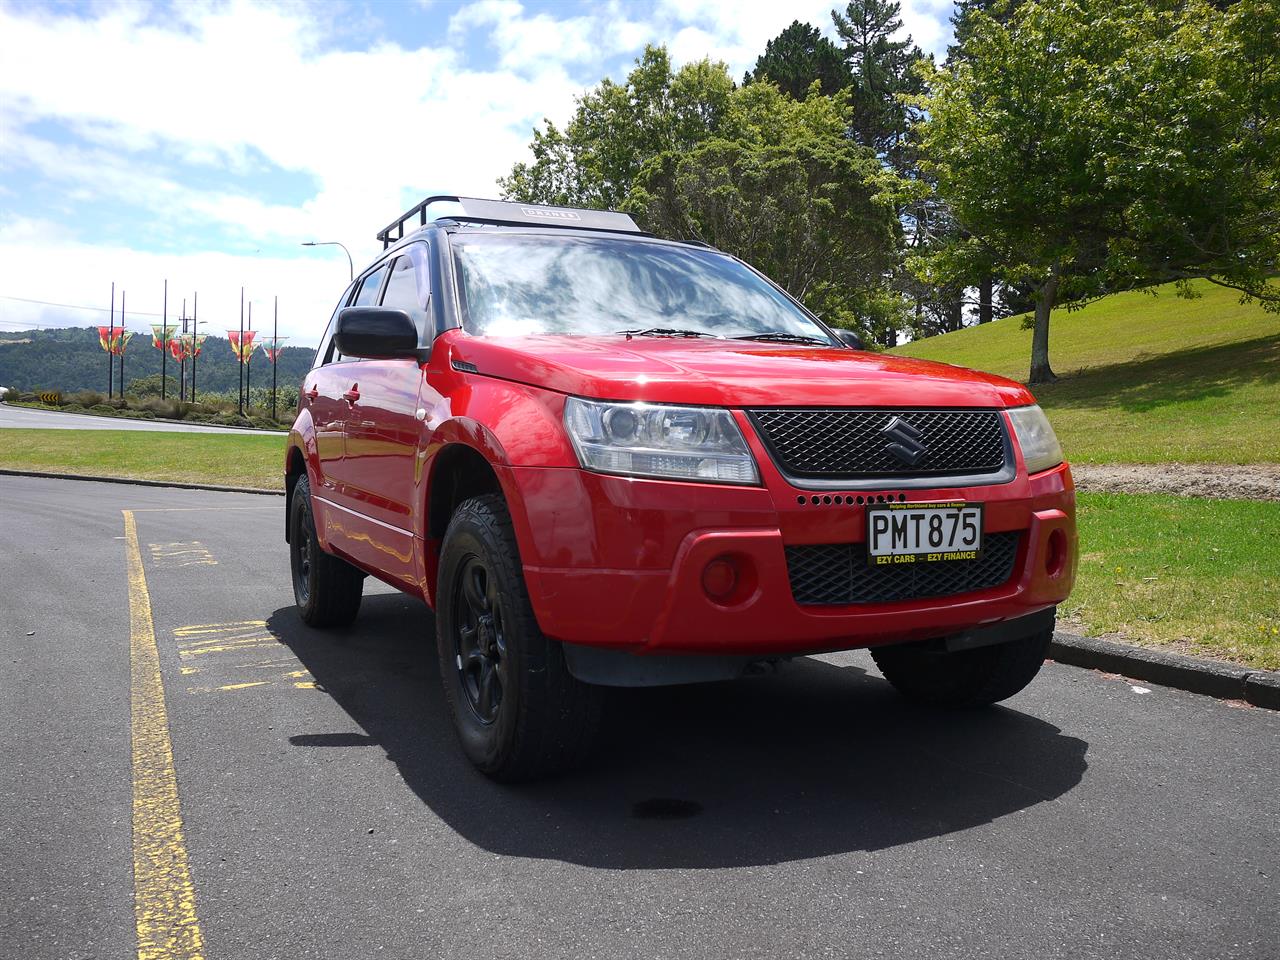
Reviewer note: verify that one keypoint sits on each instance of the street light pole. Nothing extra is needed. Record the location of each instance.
(351, 267)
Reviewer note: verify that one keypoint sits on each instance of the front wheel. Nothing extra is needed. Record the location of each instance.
(963, 678)
(326, 589)
(518, 711)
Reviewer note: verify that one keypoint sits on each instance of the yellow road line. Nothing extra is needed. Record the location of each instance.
(163, 895)
(241, 686)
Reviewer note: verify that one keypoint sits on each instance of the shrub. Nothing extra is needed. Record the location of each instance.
(85, 398)
(171, 409)
(102, 408)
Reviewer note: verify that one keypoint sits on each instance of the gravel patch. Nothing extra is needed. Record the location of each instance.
(1219, 481)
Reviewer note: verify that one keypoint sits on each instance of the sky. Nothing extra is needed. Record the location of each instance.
(204, 142)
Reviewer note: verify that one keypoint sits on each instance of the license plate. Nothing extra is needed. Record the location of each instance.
(923, 532)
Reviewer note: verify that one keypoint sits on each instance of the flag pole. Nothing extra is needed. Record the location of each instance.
(239, 348)
(182, 357)
(275, 345)
(122, 344)
(164, 329)
(195, 339)
(111, 331)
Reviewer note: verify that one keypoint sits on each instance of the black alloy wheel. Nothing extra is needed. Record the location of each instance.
(480, 647)
(326, 588)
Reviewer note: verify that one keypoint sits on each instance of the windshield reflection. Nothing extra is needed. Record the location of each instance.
(520, 285)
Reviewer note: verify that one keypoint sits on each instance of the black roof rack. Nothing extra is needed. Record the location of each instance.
(502, 213)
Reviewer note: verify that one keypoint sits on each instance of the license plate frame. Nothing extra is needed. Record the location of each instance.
(910, 549)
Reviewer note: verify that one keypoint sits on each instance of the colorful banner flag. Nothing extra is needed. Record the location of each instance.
(161, 335)
(189, 345)
(108, 338)
(121, 340)
(175, 349)
(272, 346)
(243, 347)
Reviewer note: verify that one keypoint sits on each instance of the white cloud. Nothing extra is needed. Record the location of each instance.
(158, 98)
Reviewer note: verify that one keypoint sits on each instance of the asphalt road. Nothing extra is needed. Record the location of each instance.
(11, 416)
(327, 811)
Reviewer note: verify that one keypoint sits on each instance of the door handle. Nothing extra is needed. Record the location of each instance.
(352, 395)
(313, 392)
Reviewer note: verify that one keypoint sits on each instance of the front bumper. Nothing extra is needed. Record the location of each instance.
(618, 562)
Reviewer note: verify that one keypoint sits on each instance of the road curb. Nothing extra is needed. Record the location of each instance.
(4, 471)
(1226, 681)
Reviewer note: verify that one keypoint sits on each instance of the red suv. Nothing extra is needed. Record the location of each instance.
(606, 459)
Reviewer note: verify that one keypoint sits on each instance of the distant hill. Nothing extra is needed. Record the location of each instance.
(1145, 378)
(70, 358)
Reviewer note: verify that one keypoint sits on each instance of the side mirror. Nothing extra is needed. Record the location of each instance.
(850, 339)
(376, 333)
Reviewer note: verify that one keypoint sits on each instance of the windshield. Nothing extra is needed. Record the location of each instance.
(521, 284)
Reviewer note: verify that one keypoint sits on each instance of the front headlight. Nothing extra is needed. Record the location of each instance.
(1040, 447)
(653, 440)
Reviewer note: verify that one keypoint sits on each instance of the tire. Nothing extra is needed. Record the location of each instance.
(964, 678)
(518, 711)
(326, 589)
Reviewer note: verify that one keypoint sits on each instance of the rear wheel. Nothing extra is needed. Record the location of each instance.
(518, 711)
(963, 678)
(326, 589)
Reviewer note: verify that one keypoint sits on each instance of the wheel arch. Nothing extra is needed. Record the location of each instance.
(295, 467)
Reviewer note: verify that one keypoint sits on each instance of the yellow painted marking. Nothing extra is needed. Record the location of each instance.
(164, 897)
(190, 554)
(306, 685)
(227, 640)
(189, 670)
(239, 645)
(241, 686)
(216, 627)
(298, 673)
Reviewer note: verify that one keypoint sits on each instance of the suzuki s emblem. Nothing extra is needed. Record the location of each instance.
(904, 441)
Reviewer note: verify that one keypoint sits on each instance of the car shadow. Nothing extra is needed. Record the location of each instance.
(812, 761)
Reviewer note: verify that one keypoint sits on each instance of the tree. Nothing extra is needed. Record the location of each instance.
(783, 187)
(617, 128)
(1086, 147)
(774, 180)
(883, 71)
(797, 57)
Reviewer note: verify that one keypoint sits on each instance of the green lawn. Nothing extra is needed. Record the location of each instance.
(1201, 576)
(234, 459)
(1145, 379)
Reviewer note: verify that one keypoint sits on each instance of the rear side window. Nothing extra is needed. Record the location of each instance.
(409, 288)
(369, 287)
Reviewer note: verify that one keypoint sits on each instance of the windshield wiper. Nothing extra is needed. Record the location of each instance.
(665, 332)
(786, 338)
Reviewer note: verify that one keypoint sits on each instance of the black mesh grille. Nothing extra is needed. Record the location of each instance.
(848, 444)
(839, 573)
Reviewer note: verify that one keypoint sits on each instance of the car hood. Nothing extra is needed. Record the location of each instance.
(729, 373)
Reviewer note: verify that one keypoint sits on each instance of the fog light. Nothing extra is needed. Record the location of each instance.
(1055, 554)
(720, 578)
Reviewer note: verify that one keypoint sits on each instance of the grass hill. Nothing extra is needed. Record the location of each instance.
(70, 358)
(1146, 377)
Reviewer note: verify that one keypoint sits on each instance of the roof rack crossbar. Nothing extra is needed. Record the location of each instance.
(505, 213)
